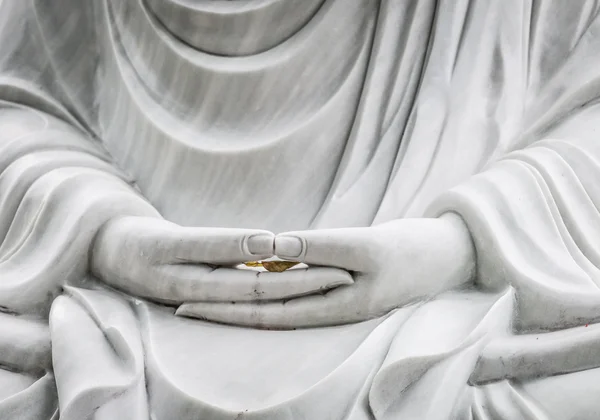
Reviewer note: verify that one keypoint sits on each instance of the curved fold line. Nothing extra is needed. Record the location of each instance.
(432, 160)
(316, 385)
(576, 298)
(583, 29)
(524, 357)
(136, 89)
(119, 345)
(6, 251)
(75, 118)
(117, 340)
(17, 91)
(508, 403)
(560, 196)
(507, 242)
(55, 177)
(49, 139)
(566, 237)
(413, 367)
(581, 162)
(385, 122)
(531, 27)
(19, 176)
(563, 106)
(74, 170)
(450, 384)
(390, 117)
(417, 65)
(31, 284)
(226, 64)
(405, 137)
(217, 11)
(26, 346)
(467, 18)
(25, 130)
(63, 189)
(525, 405)
(20, 402)
(223, 6)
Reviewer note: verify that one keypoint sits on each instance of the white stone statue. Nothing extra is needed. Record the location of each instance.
(434, 164)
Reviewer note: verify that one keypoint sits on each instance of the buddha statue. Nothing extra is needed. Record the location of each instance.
(433, 166)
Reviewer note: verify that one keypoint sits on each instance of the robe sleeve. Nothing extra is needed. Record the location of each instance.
(534, 216)
(57, 187)
(533, 210)
(57, 183)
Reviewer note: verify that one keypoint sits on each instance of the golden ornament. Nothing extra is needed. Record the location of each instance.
(272, 266)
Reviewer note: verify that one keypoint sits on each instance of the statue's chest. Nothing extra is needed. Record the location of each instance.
(248, 141)
(279, 187)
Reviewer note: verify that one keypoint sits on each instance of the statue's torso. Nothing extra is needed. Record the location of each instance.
(248, 141)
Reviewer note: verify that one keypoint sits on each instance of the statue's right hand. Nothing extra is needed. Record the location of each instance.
(163, 261)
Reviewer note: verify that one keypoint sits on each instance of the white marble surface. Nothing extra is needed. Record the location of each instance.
(434, 164)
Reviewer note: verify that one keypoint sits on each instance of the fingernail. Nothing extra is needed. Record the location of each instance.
(288, 246)
(261, 244)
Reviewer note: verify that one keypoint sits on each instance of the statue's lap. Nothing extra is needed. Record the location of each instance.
(120, 353)
(192, 366)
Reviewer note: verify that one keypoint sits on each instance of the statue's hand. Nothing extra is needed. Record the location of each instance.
(163, 261)
(392, 264)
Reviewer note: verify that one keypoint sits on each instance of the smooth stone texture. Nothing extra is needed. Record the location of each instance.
(12, 383)
(433, 165)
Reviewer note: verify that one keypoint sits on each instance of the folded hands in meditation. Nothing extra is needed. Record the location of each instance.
(353, 274)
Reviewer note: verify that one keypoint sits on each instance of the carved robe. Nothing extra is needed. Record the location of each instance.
(279, 116)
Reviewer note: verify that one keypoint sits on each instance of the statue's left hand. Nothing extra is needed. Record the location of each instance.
(160, 260)
(392, 264)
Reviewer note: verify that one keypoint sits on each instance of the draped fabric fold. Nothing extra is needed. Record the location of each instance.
(98, 357)
(52, 206)
(454, 326)
(488, 109)
(535, 225)
(535, 216)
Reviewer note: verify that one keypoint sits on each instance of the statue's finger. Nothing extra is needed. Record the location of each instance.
(169, 243)
(336, 307)
(229, 284)
(220, 246)
(348, 248)
(164, 242)
(178, 283)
